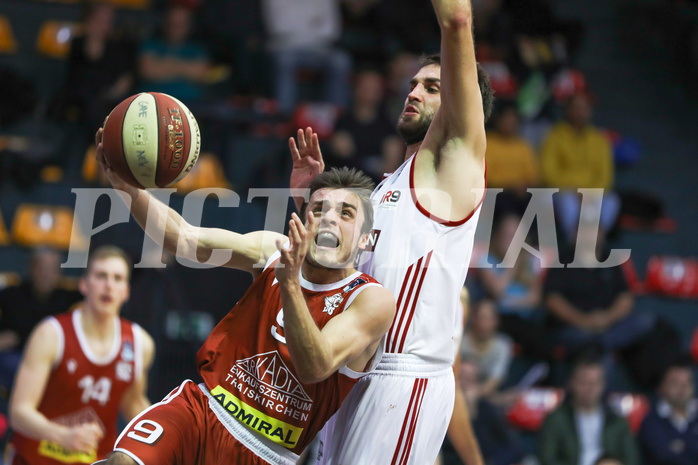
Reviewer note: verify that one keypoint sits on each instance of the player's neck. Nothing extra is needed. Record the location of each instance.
(98, 324)
(320, 275)
(412, 149)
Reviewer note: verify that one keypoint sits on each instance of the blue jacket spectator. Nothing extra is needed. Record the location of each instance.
(669, 433)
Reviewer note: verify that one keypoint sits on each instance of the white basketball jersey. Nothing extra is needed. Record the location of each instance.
(423, 260)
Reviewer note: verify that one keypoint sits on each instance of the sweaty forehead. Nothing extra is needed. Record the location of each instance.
(112, 265)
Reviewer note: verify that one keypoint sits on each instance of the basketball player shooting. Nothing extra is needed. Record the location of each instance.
(279, 364)
(425, 218)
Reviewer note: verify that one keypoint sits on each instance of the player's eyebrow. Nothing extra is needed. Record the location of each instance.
(349, 205)
(428, 80)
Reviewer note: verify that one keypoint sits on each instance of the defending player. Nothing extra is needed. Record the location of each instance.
(425, 218)
(283, 359)
(79, 369)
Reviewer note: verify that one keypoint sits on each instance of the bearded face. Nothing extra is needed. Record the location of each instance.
(421, 105)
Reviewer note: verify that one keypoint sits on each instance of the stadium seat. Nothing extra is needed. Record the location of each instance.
(44, 225)
(208, 172)
(633, 407)
(530, 409)
(8, 44)
(54, 38)
(9, 278)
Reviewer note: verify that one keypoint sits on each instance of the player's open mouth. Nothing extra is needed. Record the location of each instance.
(411, 110)
(106, 299)
(326, 239)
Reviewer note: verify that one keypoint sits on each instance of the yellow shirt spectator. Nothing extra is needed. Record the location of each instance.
(576, 158)
(511, 162)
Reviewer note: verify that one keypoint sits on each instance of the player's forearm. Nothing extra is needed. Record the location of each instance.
(146, 208)
(310, 353)
(564, 310)
(460, 433)
(33, 424)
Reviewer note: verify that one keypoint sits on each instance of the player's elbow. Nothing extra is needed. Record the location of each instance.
(314, 373)
(459, 20)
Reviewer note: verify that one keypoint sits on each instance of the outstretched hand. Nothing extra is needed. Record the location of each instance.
(307, 158)
(114, 179)
(299, 242)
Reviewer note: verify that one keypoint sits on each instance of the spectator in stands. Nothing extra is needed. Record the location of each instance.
(669, 433)
(364, 137)
(511, 161)
(582, 428)
(516, 290)
(577, 155)
(591, 307)
(101, 70)
(173, 63)
(23, 306)
(485, 345)
(301, 34)
(498, 442)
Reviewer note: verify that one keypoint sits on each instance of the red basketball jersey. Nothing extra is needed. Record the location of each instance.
(83, 389)
(247, 367)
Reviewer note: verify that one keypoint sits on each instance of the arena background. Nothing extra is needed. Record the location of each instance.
(638, 58)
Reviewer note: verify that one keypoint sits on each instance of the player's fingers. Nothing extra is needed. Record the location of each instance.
(295, 234)
(301, 140)
(295, 155)
(98, 136)
(313, 224)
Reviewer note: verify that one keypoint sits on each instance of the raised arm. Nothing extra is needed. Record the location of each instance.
(350, 338)
(29, 388)
(452, 156)
(195, 243)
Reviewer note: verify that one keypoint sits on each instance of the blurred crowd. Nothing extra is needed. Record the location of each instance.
(254, 72)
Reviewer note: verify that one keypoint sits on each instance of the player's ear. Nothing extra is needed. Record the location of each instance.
(82, 285)
(363, 241)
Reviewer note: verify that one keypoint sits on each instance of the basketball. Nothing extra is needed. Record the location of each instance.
(151, 140)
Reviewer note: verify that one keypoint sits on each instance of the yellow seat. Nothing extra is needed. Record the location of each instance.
(9, 278)
(54, 38)
(208, 172)
(44, 225)
(8, 44)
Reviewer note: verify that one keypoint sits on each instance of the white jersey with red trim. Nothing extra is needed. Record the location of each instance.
(423, 260)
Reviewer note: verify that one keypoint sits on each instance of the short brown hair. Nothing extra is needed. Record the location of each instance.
(350, 179)
(483, 80)
(108, 251)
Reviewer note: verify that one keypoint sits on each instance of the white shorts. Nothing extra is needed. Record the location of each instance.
(397, 415)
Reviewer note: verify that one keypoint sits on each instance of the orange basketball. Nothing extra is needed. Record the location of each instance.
(151, 140)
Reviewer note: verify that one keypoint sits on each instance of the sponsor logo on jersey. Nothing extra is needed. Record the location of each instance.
(389, 199)
(58, 453)
(372, 240)
(355, 283)
(127, 351)
(124, 371)
(275, 430)
(332, 302)
(270, 370)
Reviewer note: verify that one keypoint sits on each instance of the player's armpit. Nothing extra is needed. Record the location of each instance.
(355, 334)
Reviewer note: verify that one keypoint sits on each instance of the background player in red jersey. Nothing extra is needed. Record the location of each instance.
(79, 370)
(282, 360)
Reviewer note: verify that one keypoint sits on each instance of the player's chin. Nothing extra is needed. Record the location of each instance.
(329, 258)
